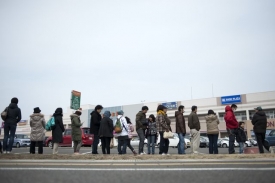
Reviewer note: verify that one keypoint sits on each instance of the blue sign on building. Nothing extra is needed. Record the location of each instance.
(171, 105)
(231, 99)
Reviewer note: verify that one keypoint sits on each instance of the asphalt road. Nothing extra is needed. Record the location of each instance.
(87, 150)
(137, 171)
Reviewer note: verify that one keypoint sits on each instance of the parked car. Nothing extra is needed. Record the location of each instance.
(203, 142)
(21, 140)
(206, 140)
(87, 138)
(135, 141)
(270, 137)
(225, 143)
(219, 142)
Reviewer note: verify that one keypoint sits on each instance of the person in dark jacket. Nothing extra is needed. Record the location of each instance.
(180, 129)
(259, 121)
(13, 117)
(241, 136)
(76, 131)
(57, 129)
(94, 126)
(151, 134)
(106, 132)
(141, 127)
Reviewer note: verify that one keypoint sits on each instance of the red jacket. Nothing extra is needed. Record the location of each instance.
(230, 118)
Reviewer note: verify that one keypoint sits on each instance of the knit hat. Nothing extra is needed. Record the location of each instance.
(14, 100)
(258, 108)
(36, 110)
(120, 112)
(107, 114)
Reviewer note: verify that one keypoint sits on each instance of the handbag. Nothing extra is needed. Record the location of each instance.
(4, 114)
(168, 135)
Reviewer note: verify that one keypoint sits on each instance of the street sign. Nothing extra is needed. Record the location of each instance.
(234, 99)
(75, 100)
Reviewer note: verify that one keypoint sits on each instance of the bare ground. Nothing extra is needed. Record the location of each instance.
(131, 157)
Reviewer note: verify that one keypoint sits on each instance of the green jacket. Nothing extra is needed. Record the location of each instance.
(194, 122)
(76, 128)
(139, 118)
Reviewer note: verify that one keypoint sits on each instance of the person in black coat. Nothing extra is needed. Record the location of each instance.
(241, 136)
(13, 117)
(259, 121)
(94, 126)
(57, 129)
(106, 132)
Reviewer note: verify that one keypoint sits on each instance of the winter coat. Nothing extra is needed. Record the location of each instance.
(106, 127)
(76, 127)
(95, 122)
(37, 124)
(140, 118)
(152, 129)
(14, 114)
(212, 123)
(124, 126)
(259, 121)
(180, 123)
(168, 122)
(241, 136)
(194, 122)
(58, 128)
(230, 119)
(161, 122)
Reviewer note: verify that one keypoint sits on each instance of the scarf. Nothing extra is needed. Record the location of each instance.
(161, 113)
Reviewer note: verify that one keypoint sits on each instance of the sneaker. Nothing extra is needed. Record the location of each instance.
(167, 154)
(144, 153)
(135, 153)
(163, 154)
(5, 152)
(271, 150)
(8, 152)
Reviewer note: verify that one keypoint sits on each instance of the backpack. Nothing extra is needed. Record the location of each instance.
(118, 127)
(50, 124)
(4, 114)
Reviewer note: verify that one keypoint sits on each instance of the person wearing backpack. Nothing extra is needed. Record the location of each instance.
(12, 118)
(57, 129)
(76, 131)
(106, 132)
(123, 135)
(141, 125)
(151, 134)
(130, 135)
(37, 124)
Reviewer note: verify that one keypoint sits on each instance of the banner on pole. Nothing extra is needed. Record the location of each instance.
(75, 100)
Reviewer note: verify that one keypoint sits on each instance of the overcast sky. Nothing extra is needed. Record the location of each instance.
(120, 52)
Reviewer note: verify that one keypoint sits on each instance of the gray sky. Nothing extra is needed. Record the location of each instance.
(121, 52)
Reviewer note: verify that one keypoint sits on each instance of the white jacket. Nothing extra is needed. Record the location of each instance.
(124, 126)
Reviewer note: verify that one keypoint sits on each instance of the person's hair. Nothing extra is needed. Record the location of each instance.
(153, 117)
(78, 113)
(180, 107)
(14, 100)
(234, 106)
(128, 120)
(241, 122)
(98, 107)
(211, 112)
(144, 108)
(194, 108)
(161, 108)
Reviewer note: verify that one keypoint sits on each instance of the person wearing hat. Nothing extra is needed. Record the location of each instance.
(37, 124)
(57, 129)
(10, 124)
(76, 131)
(106, 132)
(259, 122)
(123, 136)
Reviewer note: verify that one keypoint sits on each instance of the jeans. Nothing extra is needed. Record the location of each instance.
(141, 136)
(151, 140)
(105, 144)
(232, 138)
(122, 142)
(77, 146)
(95, 144)
(163, 144)
(40, 147)
(181, 148)
(260, 137)
(9, 132)
(195, 140)
(213, 143)
(241, 147)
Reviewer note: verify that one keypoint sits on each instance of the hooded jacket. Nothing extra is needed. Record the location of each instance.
(76, 127)
(106, 126)
(230, 119)
(259, 121)
(58, 128)
(212, 123)
(95, 122)
(14, 114)
(37, 124)
(180, 123)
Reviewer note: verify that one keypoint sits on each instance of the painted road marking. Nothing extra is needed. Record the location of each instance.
(139, 169)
